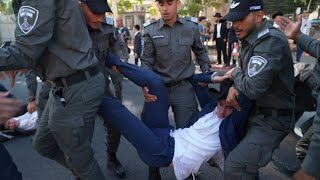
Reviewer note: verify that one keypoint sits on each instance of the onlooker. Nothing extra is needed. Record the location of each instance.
(276, 16)
(264, 75)
(311, 162)
(167, 51)
(305, 29)
(201, 24)
(220, 35)
(137, 44)
(124, 32)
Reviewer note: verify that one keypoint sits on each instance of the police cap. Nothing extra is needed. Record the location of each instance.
(239, 9)
(98, 6)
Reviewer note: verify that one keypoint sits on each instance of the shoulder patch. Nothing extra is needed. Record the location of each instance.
(27, 18)
(109, 21)
(256, 65)
(262, 33)
(192, 19)
(148, 23)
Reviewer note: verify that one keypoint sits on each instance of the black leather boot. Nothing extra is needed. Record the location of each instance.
(154, 173)
(116, 166)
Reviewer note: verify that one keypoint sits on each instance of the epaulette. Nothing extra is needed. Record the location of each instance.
(192, 19)
(263, 33)
(148, 23)
(108, 20)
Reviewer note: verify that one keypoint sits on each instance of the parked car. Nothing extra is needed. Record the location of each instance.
(315, 23)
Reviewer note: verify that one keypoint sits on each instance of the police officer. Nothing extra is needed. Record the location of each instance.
(103, 37)
(311, 162)
(106, 40)
(167, 51)
(265, 76)
(119, 48)
(52, 36)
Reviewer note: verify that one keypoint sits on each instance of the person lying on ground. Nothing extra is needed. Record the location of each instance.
(24, 124)
(217, 127)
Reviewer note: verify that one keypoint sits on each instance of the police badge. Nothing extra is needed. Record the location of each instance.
(256, 64)
(27, 18)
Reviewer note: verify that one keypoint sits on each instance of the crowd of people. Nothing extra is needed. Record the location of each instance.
(73, 48)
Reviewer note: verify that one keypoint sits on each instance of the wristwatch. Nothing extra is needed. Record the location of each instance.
(32, 98)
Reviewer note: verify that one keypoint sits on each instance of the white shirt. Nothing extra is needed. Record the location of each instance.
(305, 26)
(218, 30)
(195, 145)
(27, 121)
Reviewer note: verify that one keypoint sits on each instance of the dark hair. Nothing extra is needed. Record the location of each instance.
(137, 27)
(201, 18)
(277, 14)
(225, 85)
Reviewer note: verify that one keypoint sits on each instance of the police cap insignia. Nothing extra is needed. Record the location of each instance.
(256, 65)
(27, 18)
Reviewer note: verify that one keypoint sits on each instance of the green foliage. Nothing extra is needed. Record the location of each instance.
(153, 11)
(288, 6)
(191, 8)
(6, 7)
(126, 5)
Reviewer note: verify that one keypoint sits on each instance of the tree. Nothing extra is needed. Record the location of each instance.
(153, 11)
(288, 6)
(193, 7)
(126, 5)
(190, 8)
(6, 7)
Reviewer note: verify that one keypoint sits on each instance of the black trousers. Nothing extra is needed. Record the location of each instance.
(221, 46)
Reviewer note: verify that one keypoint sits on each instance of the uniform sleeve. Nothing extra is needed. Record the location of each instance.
(148, 52)
(123, 47)
(310, 45)
(263, 66)
(35, 23)
(311, 162)
(200, 52)
(31, 80)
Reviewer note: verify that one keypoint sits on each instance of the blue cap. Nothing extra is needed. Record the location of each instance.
(98, 6)
(239, 9)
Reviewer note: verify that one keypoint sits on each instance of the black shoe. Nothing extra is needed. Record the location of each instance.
(116, 166)
(154, 173)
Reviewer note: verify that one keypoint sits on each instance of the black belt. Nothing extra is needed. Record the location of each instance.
(77, 77)
(175, 83)
(276, 112)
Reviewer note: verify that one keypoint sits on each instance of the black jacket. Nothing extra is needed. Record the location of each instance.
(137, 46)
(223, 31)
